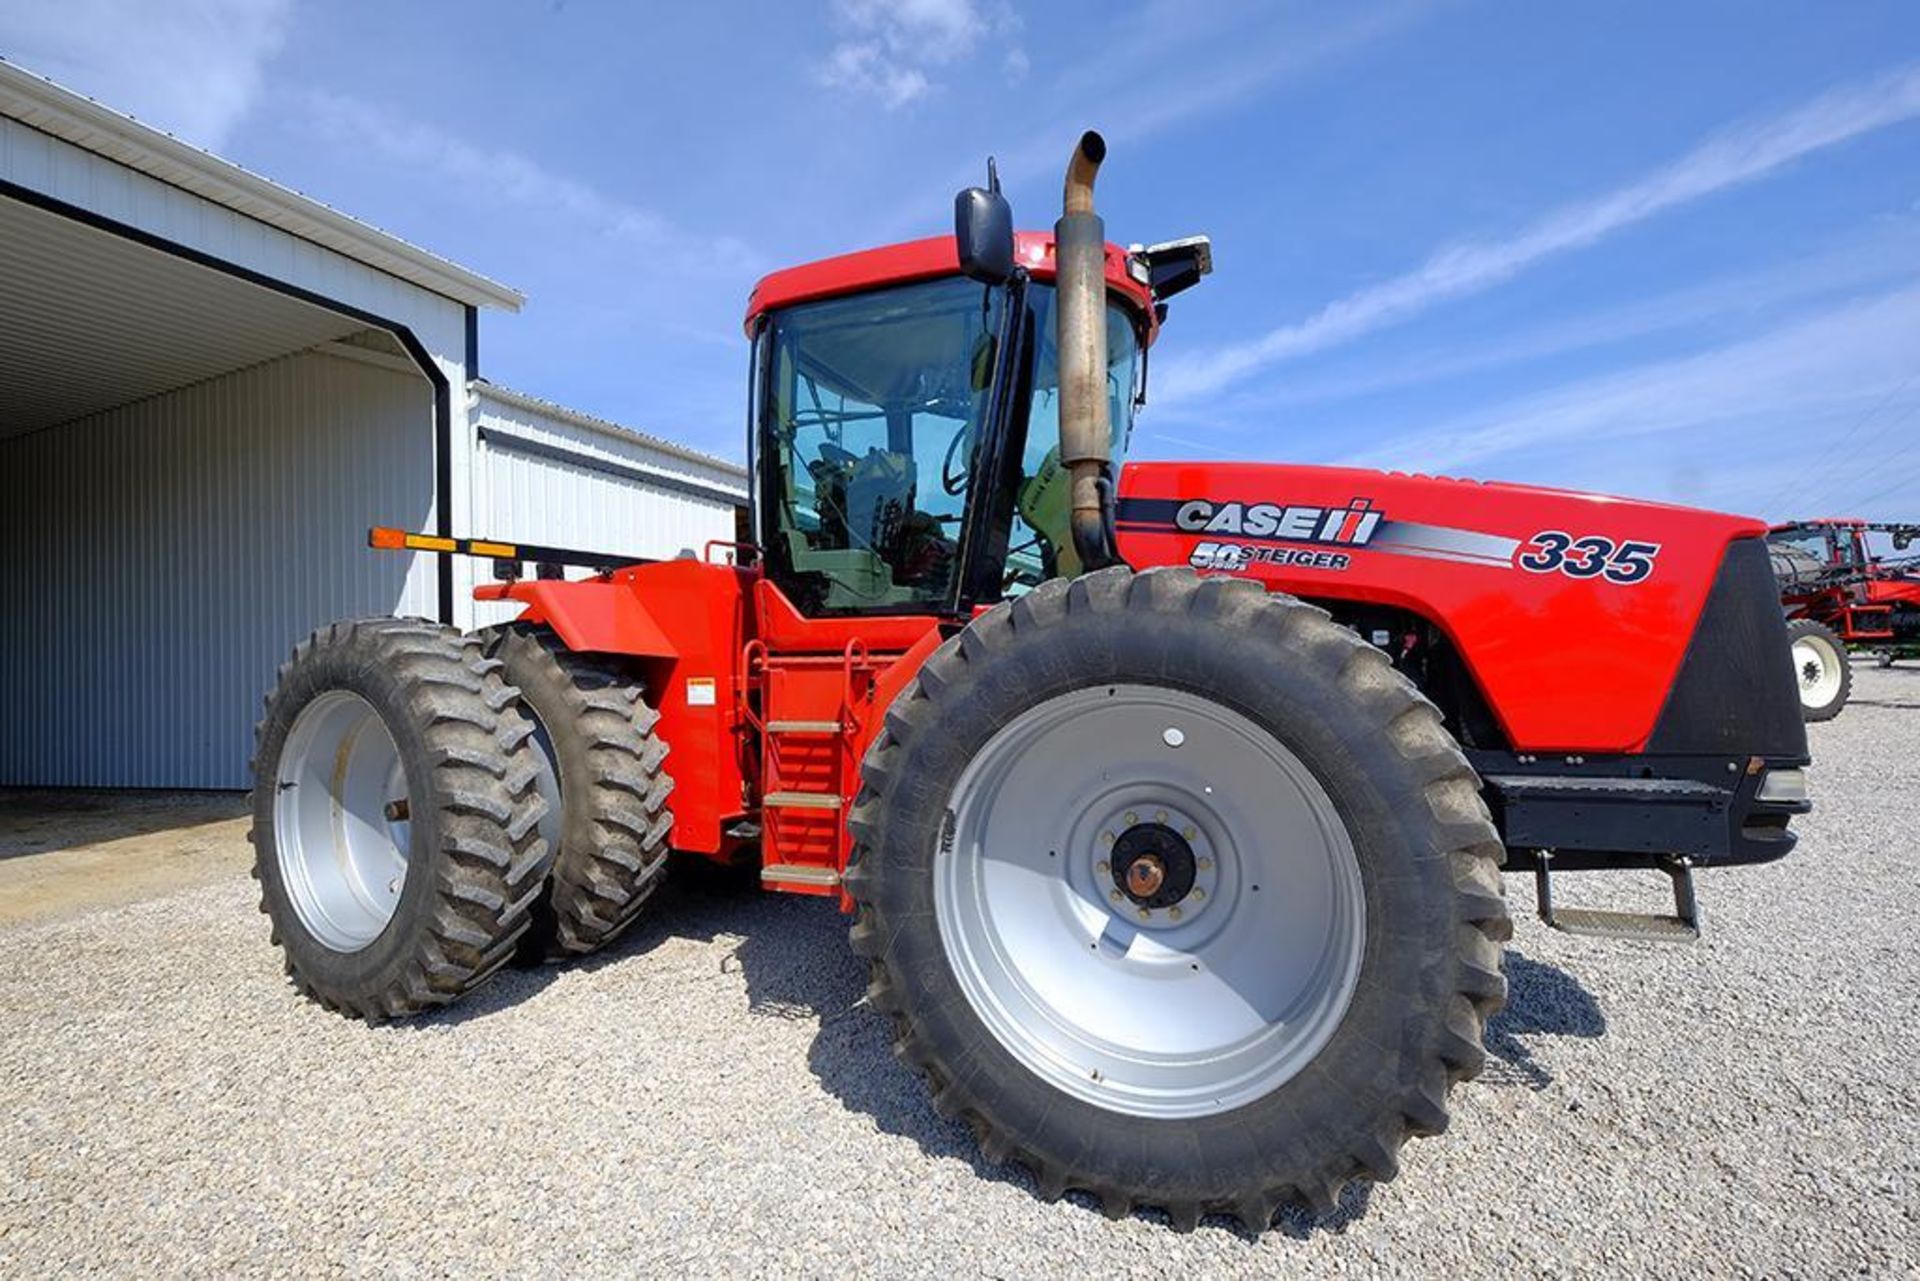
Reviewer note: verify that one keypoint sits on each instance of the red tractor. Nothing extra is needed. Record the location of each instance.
(1840, 593)
(1169, 804)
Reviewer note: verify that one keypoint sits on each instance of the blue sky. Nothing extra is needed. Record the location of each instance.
(1656, 249)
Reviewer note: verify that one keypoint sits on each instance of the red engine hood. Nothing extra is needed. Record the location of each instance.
(1572, 610)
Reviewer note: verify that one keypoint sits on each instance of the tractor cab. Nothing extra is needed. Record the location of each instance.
(906, 420)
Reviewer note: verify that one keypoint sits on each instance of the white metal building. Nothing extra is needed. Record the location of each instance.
(210, 387)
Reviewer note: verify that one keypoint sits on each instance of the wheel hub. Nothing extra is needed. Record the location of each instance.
(1151, 861)
(1153, 864)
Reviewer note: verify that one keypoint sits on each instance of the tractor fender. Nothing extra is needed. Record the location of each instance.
(595, 615)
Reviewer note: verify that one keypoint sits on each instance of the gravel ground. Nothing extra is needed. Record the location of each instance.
(711, 1098)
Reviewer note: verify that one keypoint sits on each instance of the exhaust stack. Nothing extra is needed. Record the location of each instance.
(1086, 428)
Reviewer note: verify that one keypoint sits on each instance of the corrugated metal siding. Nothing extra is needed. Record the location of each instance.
(160, 559)
(532, 499)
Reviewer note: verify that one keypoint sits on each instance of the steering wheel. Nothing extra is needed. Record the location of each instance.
(952, 481)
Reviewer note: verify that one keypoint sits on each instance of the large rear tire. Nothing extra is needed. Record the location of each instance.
(603, 775)
(395, 816)
(1179, 894)
(1820, 669)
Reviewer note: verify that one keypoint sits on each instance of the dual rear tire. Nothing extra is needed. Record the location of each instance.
(428, 805)
(603, 772)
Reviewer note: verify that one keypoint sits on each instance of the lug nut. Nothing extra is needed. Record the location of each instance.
(1159, 816)
(1205, 864)
(1106, 838)
(1132, 818)
(1102, 867)
(1115, 895)
(1145, 915)
(1199, 893)
(1174, 912)
(1189, 832)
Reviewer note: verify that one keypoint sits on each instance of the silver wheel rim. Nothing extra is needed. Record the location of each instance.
(341, 826)
(1818, 668)
(546, 783)
(1178, 1010)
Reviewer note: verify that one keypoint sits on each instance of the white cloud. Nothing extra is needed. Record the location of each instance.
(193, 68)
(868, 68)
(1885, 254)
(891, 44)
(1839, 361)
(1199, 60)
(1737, 156)
(509, 176)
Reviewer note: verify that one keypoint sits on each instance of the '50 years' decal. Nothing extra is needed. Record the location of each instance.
(1551, 551)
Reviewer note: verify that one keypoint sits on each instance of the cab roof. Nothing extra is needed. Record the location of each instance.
(929, 259)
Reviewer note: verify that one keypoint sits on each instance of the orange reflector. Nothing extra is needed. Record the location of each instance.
(387, 540)
(503, 551)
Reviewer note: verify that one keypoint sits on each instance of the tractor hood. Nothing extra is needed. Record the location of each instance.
(1549, 595)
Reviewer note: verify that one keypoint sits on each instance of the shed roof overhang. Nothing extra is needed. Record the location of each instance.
(76, 119)
(90, 320)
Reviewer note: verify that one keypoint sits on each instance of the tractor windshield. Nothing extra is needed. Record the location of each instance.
(873, 408)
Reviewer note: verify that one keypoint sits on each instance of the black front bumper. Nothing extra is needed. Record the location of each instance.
(1630, 812)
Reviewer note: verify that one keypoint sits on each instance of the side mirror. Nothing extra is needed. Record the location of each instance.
(983, 231)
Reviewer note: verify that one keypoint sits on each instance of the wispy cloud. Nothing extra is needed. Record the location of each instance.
(1198, 68)
(892, 45)
(1767, 392)
(1879, 257)
(1739, 155)
(511, 177)
(1199, 59)
(193, 68)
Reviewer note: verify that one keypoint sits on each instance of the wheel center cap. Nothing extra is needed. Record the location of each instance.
(1153, 865)
(1145, 875)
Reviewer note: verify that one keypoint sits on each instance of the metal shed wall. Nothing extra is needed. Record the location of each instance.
(91, 168)
(543, 474)
(160, 559)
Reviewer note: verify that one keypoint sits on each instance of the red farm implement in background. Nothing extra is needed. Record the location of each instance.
(1169, 802)
(1845, 590)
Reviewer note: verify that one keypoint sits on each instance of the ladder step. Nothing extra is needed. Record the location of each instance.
(1681, 927)
(800, 801)
(803, 727)
(1624, 925)
(799, 874)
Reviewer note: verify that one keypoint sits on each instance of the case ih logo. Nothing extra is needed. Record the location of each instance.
(1241, 535)
(1352, 525)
